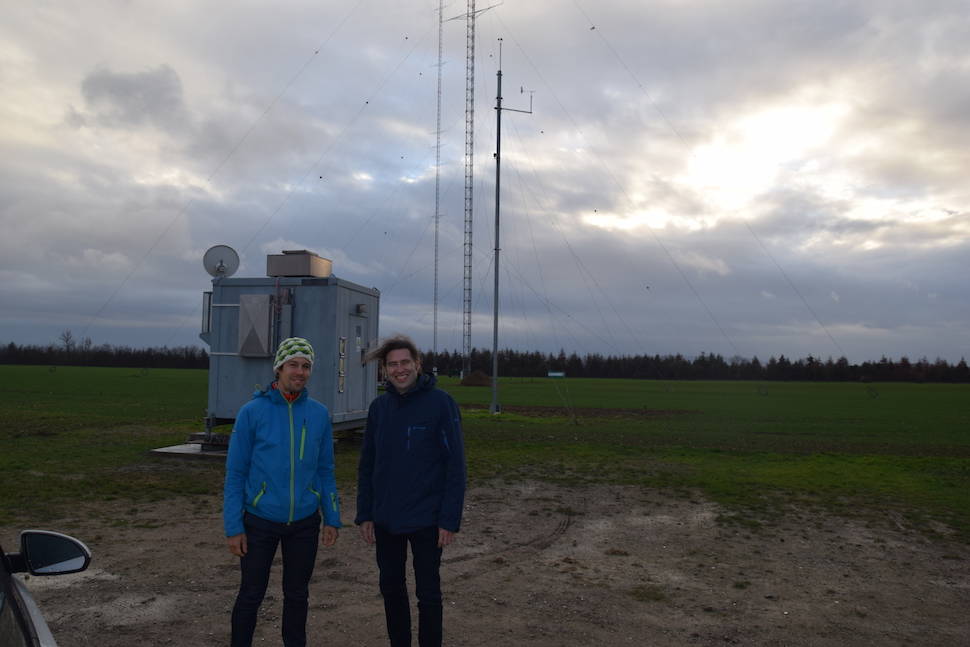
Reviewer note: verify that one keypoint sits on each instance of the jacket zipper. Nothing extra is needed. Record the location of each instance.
(292, 461)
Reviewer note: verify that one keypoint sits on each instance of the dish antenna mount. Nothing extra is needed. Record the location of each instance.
(220, 261)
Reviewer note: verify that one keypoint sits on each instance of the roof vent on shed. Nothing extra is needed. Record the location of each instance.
(298, 262)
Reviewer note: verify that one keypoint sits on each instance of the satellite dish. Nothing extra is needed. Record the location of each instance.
(221, 261)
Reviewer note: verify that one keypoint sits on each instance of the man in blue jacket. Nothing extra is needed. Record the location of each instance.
(279, 477)
(411, 488)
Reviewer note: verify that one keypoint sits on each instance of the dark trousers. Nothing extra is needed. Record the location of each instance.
(392, 555)
(299, 541)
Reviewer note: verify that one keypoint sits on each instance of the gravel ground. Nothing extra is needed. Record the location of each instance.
(537, 565)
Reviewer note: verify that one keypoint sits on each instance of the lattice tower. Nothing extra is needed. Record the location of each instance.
(466, 338)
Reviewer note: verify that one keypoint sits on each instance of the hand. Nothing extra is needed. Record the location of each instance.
(367, 531)
(237, 544)
(329, 536)
(445, 537)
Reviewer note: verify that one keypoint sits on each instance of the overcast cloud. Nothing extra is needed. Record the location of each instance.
(746, 177)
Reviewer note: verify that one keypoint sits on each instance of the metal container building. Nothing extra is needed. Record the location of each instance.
(244, 319)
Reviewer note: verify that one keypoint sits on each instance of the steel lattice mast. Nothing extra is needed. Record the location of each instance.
(466, 339)
(437, 187)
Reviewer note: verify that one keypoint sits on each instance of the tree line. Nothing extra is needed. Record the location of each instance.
(706, 366)
(514, 363)
(86, 353)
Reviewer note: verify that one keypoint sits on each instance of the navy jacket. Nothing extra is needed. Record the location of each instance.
(412, 463)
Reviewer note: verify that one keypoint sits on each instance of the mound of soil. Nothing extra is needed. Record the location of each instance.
(476, 378)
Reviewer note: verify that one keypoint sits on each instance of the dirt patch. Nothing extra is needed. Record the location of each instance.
(536, 565)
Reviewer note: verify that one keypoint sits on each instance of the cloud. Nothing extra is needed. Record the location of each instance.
(127, 100)
(770, 171)
(97, 260)
(702, 263)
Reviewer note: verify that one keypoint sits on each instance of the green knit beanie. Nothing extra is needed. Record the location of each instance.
(290, 348)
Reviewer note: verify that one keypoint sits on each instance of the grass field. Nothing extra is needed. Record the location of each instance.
(899, 451)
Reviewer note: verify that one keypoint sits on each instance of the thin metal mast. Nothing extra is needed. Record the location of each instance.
(466, 338)
(495, 406)
(437, 188)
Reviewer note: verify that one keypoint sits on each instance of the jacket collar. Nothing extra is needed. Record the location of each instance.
(276, 397)
(425, 382)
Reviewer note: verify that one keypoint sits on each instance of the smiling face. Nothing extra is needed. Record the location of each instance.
(401, 369)
(293, 375)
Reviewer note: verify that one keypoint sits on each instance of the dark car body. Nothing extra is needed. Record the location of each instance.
(42, 553)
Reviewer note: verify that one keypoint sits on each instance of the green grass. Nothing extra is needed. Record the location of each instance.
(48, 398)
(74, 435)
(82, 435)
(863, 449)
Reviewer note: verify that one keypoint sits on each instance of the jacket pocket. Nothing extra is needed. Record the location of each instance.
(416, 434)
(419, 437)
(333, 499)
(302, 440)
(259, 495)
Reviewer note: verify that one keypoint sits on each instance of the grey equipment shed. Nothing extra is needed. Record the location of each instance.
(244, 319)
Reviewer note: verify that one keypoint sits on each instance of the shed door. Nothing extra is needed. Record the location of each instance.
(360, 395)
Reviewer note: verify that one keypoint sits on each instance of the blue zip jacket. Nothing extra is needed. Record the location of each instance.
(280, 464)
(412, 463)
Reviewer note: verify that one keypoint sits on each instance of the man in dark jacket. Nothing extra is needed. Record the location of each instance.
(411, 488)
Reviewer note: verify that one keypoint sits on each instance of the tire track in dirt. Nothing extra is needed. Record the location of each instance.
(503, 554)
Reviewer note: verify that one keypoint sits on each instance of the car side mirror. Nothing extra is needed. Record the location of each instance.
(43, 552)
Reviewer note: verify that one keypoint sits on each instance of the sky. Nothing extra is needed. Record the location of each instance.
(747, 178)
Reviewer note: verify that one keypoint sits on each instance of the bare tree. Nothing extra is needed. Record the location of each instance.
(67, 340)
